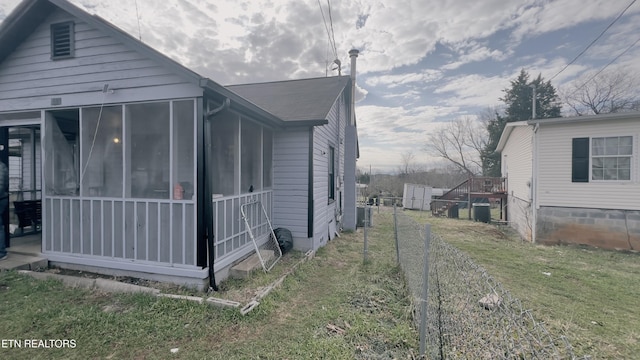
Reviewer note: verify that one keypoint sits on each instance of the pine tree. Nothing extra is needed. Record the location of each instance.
(490, 158)
(519, 107)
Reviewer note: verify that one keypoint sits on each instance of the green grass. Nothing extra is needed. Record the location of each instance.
(367, 301)
(591, 295)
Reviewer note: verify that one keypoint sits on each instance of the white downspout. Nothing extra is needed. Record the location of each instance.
(534, 183)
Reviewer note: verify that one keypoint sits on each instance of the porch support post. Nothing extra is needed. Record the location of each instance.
(4, 157)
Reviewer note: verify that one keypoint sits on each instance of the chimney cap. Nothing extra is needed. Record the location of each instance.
(354, 52)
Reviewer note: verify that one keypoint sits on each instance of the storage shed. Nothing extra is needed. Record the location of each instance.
(416, 197)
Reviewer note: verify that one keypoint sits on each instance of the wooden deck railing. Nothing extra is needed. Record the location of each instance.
(474, 187)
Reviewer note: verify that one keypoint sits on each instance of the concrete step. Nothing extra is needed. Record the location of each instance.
(17, 261)
(242, 269)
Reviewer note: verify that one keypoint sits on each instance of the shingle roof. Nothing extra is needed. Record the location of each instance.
(295, 100)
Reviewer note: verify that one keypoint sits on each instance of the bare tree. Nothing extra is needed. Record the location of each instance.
(460, 142)
(607, 92)
(407, 158)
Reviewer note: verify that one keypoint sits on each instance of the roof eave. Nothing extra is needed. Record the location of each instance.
(239, 103)
(587, 118)
(20, 23)
(309, 122)
(507, 132)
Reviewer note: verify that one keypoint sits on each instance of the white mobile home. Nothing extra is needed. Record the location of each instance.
(144, 164)
(575, 180)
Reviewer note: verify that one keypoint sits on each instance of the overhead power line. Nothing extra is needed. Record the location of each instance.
(333, 35)
(606, 66)
(331, 39)
(594, 40)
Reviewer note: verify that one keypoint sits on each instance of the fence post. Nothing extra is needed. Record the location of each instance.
(366, 225)
(395, 232)
(425, 290)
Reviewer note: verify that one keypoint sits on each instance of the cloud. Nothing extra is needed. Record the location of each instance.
(401, 60)
(545, 17)
(475, 53)
(392, 81)
(473, 90)
(382, 129)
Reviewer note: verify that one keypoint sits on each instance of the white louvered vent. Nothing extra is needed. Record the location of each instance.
(62, 40)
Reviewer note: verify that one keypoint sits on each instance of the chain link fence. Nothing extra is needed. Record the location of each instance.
(466, 314)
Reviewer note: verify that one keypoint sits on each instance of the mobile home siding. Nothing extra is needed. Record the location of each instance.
(517, 162)
(29, 79)
(291, 181)
(517, 167)
(554, 171)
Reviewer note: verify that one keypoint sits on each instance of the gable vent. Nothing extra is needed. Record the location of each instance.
(62, 40)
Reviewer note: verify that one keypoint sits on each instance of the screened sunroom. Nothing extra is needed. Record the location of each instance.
(109, 175)
(121, 185)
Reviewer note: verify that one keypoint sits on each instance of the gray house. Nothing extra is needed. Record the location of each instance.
(141, 165)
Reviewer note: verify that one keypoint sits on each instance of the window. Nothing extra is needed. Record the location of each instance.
(224, 166)
(241, 157)
(183, 149)
(102, 151)
(62, 40)
(251, 177)
(332, 173)
(117, 151)
(61, 153)
(147, 151)
(611, 158)
(267, 158)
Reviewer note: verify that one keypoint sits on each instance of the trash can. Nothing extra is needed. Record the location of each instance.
(482, 212)
(453, 212)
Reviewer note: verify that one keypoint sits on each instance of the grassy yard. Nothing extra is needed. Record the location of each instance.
(589, 295)
(332, 307)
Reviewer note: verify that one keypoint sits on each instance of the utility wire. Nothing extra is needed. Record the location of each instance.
(333, 35)
(594, 41)
(138, 18)
(606, 66)
(335, 52)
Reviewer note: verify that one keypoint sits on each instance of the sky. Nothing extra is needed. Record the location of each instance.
(421, 63)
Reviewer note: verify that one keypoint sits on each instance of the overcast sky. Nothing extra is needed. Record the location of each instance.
(421, 63)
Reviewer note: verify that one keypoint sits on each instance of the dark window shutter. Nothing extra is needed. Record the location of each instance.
(580, 160)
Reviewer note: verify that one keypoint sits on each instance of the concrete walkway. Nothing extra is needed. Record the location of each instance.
(24, 254)
(17, 261)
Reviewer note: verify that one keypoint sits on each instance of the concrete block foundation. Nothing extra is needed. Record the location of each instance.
(603, 228)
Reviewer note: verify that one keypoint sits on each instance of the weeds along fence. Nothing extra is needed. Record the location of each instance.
(461, 311)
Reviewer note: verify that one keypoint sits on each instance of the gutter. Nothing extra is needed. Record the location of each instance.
(208, 203)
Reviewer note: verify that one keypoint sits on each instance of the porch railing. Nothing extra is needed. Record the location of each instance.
(152, 232)
(232, 241)
(475, 187)
(145, 231)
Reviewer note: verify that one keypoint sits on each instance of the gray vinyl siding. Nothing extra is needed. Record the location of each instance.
(331, 134)
(29, 78)
(291, 180)
(554, 169)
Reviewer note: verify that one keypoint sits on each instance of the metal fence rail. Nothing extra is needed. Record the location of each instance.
(466, 313)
